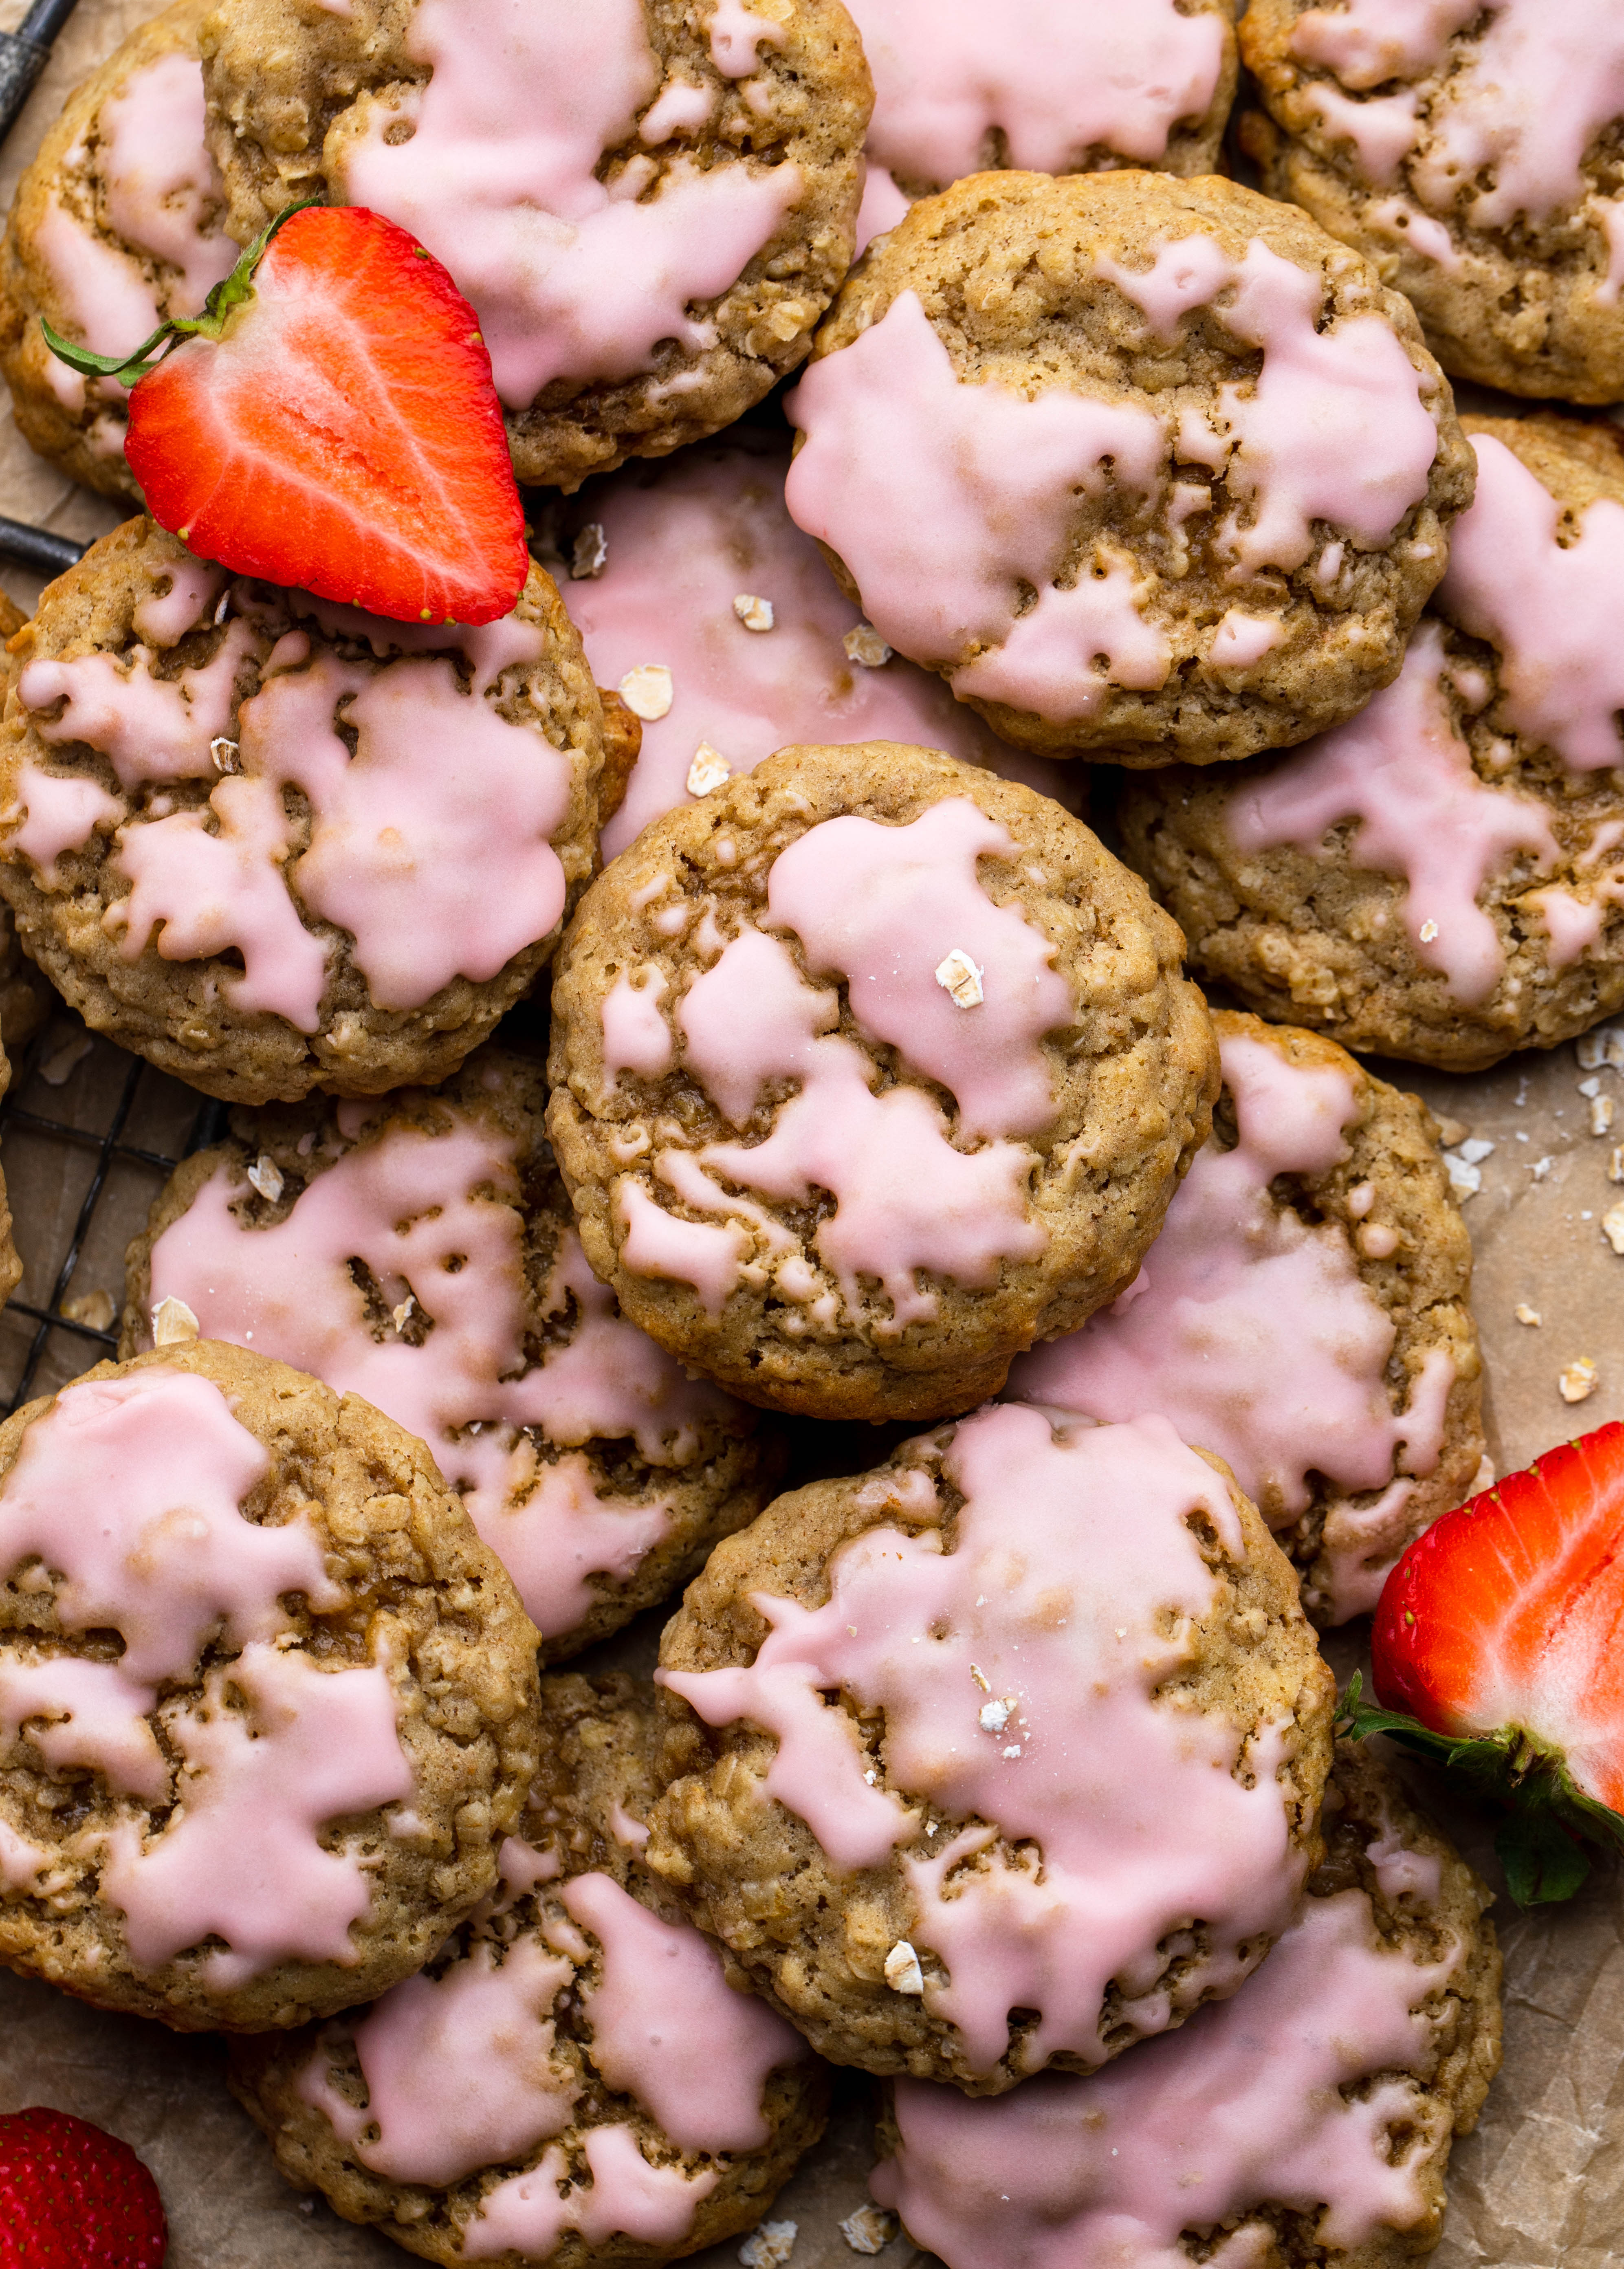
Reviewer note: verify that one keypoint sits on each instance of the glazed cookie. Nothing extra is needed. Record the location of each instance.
(271, 843)
(1303, 1314)
(1008, 1754)
(117, 225)
(649, 204)
(572, 2080)
(1306, 2123)
(1443, 878)
(1046, 85)
(867, 1070)
(267, 1704)
(695, 594)
(1476, 155)
(420, 1252)
(1147, 468)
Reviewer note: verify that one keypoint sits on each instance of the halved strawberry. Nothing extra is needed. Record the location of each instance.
(329, 421)
(72, 2197)
(1498, 1650)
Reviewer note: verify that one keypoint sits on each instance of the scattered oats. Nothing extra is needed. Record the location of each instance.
(1603, 1046)
(590, 553)
(902, 1973)
(755, 614)
(1612, 1228)
(1465, 1180)
(1428, 931)
(870, 1775)
(95, 1309)
(401, 1316)
(1484, 1477)
(980, 1677)
(865, 646)
(1476, 1150)
(1578, 1381)
(173, 1323)
(1521, 1136)
(226, 753)
(958, 975)
(995, 1717)
(709, 769)
(1601, 1114)
(647, 691)
(1013, 1751)
(64, 1060)
(1615, 1164)
(266, 1177)
(1541, 1167)
(1589, 1087)
(769, 2247)
(870, 2229)
(1451, 1131)
(1525, 1314)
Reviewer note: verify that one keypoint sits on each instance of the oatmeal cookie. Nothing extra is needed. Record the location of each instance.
(1476, 156)
(696, 593)
(1303, 1314)
(1007, 1754)
(118, 225)
(1307, 2123)
(274, 844)
(1046, 86)
(10, 1261)
(867, 1070)
(649, 205)
(421, 1251)
(1148, 469)
(1442, 878)
(577, 2031)
(267, 1704)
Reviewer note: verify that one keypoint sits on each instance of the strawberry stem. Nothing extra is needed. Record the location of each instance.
(233, 291)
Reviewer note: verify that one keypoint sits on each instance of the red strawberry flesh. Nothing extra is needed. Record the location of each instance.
(72, 2197)
(342, 434)
(1510, 1612)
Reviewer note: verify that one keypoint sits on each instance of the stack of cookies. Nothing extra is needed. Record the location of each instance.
(689, 1022)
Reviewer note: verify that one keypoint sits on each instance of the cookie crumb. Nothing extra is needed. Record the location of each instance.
(958, 975)
(1451, 1131)
(1578, 1381)
(865, 646)
(647, 691)
(902, 1973)
(174, 1323)
(1612, 1227)
(1525, 1314)
(224, 752)
(870, 2229)
(1601, 1113)
(95, 1309)
(1604, 1046)
(62, 1061)
(266, 1175)
(755, 614)
(1466, 1179)
(589, 555)
(771, 2246)
(995, 1716)
(1428, 931)
(401, 1316)
(1541, 1167)
(709, 769)
(975, 1671)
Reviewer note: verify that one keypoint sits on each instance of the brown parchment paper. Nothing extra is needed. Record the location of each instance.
(1541, 2183)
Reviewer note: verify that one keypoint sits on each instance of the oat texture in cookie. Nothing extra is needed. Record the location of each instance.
(650, 206)
(1476, 155)
(118, 223)
(869, 1069)
(1310, 2120)
(271, 843)
(573, 2079)
(1302, 1313)
(1442, 877)
(11, 1262)
(695, 568)
(267, 1704)
(1047, 86)
(1006, 1754)
(1147, 468)
(420, 1251)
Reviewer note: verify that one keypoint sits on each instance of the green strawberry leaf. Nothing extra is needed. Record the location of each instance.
(1543, 1863)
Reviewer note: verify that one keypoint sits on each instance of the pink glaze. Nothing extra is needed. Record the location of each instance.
(162, 618)
(1184, 274)
(128, 1489)
(655, 1242)
(160, 181)
(1241, 641)
(148, 728)
(61, 812)
(572, 278)
(941, 497)
(685, 539)
(239, 1859)
(78, 1712)
(736, 34)
(106, 301)
(22, 1862)
(1057, 80)
(1132, 1806)
(1365, 41)
(667, 2028)
(1252, 1332)
(460, 2070)
(636, 1037)
(883, 907)
(1550, 609)
(525, 2215)
(407, 1208)
(1382, 131)
(905, 1199)
(1250, 2105)
(1401, 770)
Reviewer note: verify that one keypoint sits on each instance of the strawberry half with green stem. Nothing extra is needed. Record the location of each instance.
(329, 421)
(1498, 1650)
(72, 2197)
